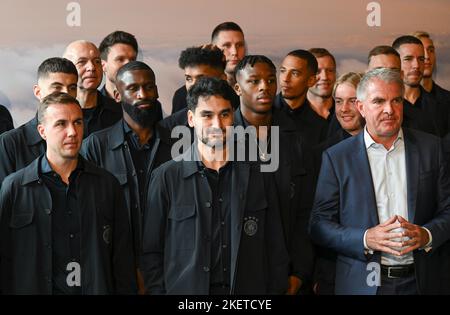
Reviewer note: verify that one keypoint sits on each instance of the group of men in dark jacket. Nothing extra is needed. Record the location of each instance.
(96, 197)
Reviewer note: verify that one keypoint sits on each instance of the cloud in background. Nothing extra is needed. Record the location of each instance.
(33, 31)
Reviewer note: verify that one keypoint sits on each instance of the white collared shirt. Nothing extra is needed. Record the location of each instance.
(388, 169)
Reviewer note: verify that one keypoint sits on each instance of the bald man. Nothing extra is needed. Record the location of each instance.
(99, 112)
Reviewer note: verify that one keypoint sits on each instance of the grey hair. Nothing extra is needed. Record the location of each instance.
(383, 74)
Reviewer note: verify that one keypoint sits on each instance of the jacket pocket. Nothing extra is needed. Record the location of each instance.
(21, 219)
(182, 227)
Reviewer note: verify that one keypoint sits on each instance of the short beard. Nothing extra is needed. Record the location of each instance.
(143, 117)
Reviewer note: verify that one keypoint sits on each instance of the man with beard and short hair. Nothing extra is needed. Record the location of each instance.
(421, 111)
(63, 223)
(211, 222)
(99, 112)
(134, 146)
(21, 146)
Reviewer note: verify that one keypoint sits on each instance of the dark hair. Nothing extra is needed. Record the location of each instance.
(206, 87)
(406, 39)
(322, 52)
(117, 37)
(203, 55)
(132, 66)
(311, 61)
(54, 98)
(382, 50)
(251, 60)
(55, 65)
(225, 26)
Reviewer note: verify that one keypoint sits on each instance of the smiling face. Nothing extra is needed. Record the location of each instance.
(383, 109)
(326, 77)
(346, 112)
(257, 87)
(62, 129)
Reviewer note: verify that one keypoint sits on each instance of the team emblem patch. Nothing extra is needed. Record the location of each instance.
(250, 226)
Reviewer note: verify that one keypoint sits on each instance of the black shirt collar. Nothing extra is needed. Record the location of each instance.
(45, 168)
(134, 138)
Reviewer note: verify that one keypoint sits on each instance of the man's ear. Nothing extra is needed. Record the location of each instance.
(360, 107)
(190, 115)
(312, 80)
(156, 90)
(37, 91)
(104, 65)
(117, 96)
(41, 131)
(237, 89)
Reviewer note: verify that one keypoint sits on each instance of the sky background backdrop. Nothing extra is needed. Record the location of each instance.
(32, 31)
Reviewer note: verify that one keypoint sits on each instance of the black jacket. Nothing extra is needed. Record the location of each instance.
(176, 233)
(425, 115)
(6, 122)
(19, 147)
(106, 114)
(294, 182)
(442, 97)
(109, 149)
(314, 128)
(26, 232)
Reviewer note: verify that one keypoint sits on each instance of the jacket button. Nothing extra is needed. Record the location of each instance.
(48, 211)
(208, 204)
(206, 269)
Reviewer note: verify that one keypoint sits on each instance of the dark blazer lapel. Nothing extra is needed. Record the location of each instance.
(412, 172)
(239, 184)
(361, 163)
